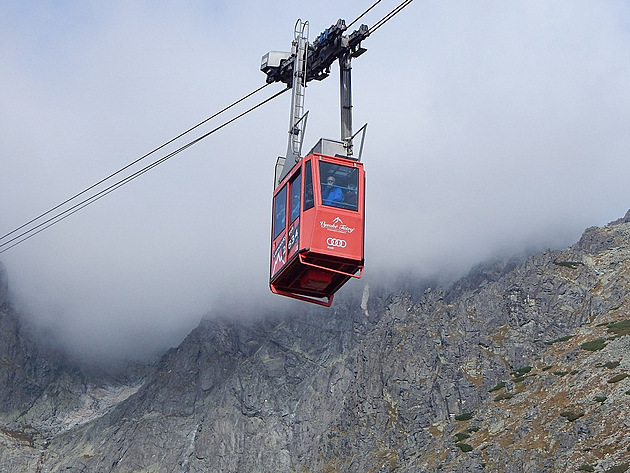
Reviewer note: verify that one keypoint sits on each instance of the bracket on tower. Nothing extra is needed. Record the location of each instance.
(308, 62)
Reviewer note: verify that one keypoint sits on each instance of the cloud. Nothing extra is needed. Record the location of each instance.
(493, 127)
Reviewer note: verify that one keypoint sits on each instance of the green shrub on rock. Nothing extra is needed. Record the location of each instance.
(464, 416)
(464, 447)
(571, 416)
(594, 345)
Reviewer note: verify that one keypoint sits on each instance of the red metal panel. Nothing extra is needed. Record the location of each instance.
(278, 253)
(338, 234)
(293, 239)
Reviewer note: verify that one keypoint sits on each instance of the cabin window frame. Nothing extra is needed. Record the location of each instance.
(295, 187)
(346, 185)
(279, 214)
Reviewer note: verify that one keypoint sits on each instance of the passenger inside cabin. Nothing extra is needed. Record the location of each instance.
(351, 197)
(331, 193)
(308, 196)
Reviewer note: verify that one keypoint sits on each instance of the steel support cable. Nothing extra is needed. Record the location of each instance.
(127, 166)
(364, 13)
(66, 213)
(390, 15)
(72, 210)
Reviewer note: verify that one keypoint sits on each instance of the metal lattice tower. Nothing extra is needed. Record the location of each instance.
(299, 47)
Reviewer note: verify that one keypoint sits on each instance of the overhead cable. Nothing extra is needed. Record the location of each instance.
(390, 15)
(25, 235)
(129, 165)
(364, 13)
(84, 203)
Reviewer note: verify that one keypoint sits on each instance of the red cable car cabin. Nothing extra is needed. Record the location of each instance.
(317, 229)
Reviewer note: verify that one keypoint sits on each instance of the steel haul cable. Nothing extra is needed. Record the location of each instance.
(390, 15)
(34, 230)
(363, 14)
(84, 203)
(129, 165)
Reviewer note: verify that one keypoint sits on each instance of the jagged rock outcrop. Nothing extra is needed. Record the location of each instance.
(42, 393)
(522, 366)
(23, 373)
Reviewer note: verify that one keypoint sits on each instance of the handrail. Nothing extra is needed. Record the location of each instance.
(303, 261)
(300, 297)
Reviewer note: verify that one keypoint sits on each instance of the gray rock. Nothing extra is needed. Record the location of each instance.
(487, 374)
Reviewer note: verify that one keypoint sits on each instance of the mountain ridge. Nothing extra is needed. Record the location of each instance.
(521, 366)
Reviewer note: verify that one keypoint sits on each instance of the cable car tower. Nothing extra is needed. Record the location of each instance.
(317, 236)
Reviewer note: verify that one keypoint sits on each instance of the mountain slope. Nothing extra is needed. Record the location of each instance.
(42, 393)
(522, 366)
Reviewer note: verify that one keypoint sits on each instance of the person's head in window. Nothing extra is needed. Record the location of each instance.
(351, 197)
(331, 194)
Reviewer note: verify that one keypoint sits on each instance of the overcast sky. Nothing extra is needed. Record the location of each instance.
(494, 126)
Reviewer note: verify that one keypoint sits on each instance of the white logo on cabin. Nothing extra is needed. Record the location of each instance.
(336, 226)
(336, 242)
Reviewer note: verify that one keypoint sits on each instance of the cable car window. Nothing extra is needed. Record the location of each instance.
(340, 185)
(296, 188)
(308, 186)
(279, 212)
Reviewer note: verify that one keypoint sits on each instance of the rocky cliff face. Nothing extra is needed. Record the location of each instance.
(42, 393)
(24, 373)
(522, 366)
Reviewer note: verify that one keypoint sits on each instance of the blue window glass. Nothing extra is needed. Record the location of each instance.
(308, 186)
(296, 192)
(339, 185)
(279, 212)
